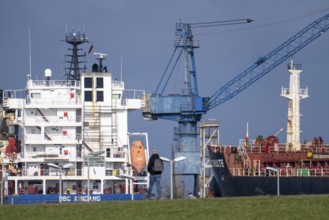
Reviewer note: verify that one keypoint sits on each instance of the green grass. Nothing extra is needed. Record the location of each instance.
(267, 207)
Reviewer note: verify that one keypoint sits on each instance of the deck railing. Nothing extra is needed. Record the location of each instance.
(281, 148)
(67, 173)
(300, 172)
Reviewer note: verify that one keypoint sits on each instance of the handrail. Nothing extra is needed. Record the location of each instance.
(281, 148)
(288, 172)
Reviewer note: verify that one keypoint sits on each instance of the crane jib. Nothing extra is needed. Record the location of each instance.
(267, 63)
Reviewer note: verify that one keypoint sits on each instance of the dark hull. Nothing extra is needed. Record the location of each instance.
(228, 185)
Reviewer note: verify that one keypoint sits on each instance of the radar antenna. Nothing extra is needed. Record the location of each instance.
(100, 68)
(75, 39)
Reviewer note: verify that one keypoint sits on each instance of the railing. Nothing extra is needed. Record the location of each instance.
(299, 172)
(114, 172)
(53, 101)
(49, 172)
(286, 92)
(116, 153)
(44, 155)
(54, 83)
(112, 154)
(52, 119)
(118, 84)
(15, 94)
(209, 122)
(185, 43)
(281, 148)
(133, 94)
(53, 137)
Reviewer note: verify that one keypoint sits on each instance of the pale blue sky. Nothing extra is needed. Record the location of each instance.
(143, 31)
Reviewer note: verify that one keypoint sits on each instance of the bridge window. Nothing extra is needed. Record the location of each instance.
(88, 96)
(88, 82)
(99, 82)
(100, 96)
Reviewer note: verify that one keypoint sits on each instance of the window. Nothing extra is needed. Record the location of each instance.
(35, 95)
(88, 96)
(99, 82)
(100, 96)
(95, 185)
(88, 82)
(115, 96)
(108, 154)
(34, 182)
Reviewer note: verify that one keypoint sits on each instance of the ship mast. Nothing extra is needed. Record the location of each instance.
(75, 39)
(294, 94)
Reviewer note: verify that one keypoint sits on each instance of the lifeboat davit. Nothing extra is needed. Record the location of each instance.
(137, 154)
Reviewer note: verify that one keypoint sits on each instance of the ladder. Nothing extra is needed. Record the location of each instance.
(244, 156)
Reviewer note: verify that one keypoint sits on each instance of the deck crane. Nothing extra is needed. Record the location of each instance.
(188, 107)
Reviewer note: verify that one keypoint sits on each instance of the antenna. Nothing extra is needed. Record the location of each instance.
(75, 39)
(247, 133)
(101, 57)
(30, 56)
(121, 70)
(246, 140)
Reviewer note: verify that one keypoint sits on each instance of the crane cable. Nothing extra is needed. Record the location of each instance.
(172, 70)
(166, 71)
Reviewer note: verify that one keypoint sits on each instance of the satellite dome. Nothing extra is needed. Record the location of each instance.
(48, 73)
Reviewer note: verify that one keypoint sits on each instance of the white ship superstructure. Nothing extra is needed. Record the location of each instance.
(77, 125)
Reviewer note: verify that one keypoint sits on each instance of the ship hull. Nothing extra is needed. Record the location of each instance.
(229, 186)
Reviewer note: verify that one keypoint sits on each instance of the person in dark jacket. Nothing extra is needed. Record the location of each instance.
(155, 176)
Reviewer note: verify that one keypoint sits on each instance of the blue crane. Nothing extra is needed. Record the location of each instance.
(188, 107)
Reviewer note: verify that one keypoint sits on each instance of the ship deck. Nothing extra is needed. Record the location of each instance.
(253, 160)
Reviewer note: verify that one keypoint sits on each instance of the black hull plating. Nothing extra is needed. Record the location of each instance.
(228, 185)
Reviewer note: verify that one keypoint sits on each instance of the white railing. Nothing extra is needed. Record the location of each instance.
(118, 84)
(43, 155)
(51, 119)
(302, 172)
(50, 172)
(53, 101)
(52, 137)
(54, 83)
(281, 148)
(133, 94)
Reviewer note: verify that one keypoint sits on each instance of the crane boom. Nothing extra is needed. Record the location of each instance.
(267, 63)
